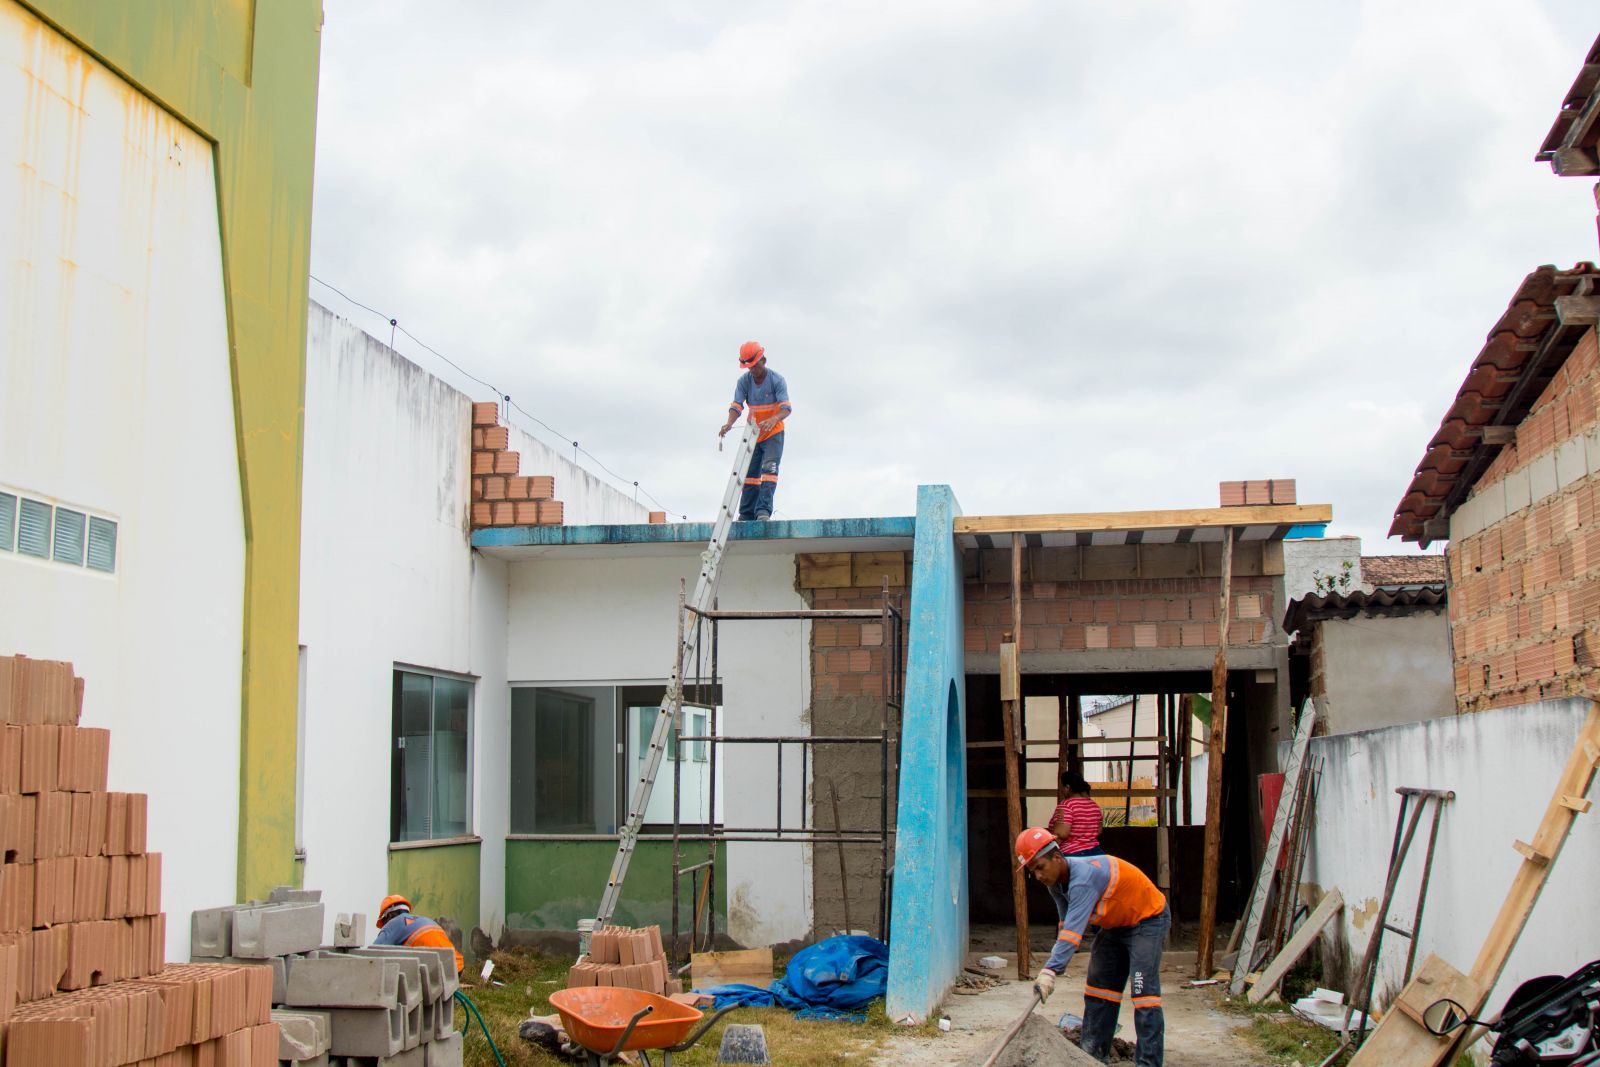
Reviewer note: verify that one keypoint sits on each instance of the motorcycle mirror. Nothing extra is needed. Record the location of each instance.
(1444, 1017)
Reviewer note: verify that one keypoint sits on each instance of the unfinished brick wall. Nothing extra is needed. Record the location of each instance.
(1525, 591)
(847, 659)
(1173, 606)
(501, 496)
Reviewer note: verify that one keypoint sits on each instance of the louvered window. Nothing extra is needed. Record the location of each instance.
(33, 528)
(8, 522)
(102, 544)
(69, 536)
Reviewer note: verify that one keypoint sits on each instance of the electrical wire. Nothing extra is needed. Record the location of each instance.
(500, 395)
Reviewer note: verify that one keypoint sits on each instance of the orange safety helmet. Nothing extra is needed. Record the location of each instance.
(1031, 842)
(750, 354)
(391, 903)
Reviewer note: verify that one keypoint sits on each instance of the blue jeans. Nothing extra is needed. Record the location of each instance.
(761, 480)
(1121, 952)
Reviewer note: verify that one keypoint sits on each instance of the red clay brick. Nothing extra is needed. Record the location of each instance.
(542, 487)
(504, 513)
(505, 462)
(477, 437)
(494, 487)
(496, 438)
(552, 513)
(1097, 637)
(483, 462)
(658, 517)
(527, 512)
(486, 413)
(482, 514)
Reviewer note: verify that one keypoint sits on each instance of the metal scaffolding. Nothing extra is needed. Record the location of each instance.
(699, 686)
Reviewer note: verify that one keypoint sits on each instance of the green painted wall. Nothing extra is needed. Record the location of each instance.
(550, 885)
(440, 881)
(243, 74)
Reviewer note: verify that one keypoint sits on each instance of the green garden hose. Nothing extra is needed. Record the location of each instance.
(473, 1011)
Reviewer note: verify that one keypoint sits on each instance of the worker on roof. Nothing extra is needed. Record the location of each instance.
(397, 926)
(766, 395)
(1133, 919)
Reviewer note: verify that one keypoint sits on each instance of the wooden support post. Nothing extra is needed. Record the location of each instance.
(1011, 711)
(1074, 733)
(1063, 731)
(1211, 869)
(1133, 742)
(1185, 743)
(1163, 803)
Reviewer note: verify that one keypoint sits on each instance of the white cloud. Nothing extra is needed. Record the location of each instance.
(1060, 256)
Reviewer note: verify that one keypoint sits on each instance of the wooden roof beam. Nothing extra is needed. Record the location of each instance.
(1092, 521)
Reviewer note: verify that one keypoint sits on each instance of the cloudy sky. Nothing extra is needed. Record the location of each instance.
(1062, 256)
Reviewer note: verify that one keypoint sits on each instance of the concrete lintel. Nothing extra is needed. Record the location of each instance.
(1129, 660)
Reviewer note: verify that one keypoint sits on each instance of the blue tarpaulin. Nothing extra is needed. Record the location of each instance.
(829, 980)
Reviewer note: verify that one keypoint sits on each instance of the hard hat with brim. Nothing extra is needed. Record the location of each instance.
(750, 354)
(1032, 843)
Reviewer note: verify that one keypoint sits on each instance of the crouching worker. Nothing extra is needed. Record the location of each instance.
(397, 926)
(1133, 918)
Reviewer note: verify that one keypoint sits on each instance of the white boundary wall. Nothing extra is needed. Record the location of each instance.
(1503, 767)
(388, 578)
(613, 620)
(116, 397)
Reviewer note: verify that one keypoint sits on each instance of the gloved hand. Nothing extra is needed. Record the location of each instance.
(1044, 985)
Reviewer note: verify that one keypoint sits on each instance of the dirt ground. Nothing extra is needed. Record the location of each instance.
(1199, 1034)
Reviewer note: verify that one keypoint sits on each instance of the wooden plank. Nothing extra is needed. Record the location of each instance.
(1272, 558)
(1530, 853)
(992, 794)
(1211, 864)
(824, 570)
(1008, 670)
(869, 570)
(1090, 521)
(1330, 905)
(1577, 804)
(1400, 1039)
(752, 966)
(1050, 742)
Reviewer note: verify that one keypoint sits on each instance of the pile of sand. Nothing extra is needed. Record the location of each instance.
(1038, 1043)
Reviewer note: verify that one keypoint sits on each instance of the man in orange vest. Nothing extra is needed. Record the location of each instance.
(1133, 919)
(397, 926)
(766, 394)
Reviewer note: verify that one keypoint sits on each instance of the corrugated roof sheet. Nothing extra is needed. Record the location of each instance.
(1569, 147)
(1402, 570)
(1523, 351)
(1309, 609)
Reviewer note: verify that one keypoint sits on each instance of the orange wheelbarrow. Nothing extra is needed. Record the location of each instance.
(606, 1021)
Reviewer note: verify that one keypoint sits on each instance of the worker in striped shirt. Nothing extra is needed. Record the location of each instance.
(1076, 823)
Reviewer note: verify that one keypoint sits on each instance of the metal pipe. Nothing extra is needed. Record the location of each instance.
(774, 616)
(1422, 890)
(786, 740)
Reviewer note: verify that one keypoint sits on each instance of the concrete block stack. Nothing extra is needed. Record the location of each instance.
(500, 495)
(621, 956)
(82, 976)
(346, 1006)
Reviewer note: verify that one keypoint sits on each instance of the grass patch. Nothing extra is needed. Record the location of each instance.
(1291, 1040)
(530, 978)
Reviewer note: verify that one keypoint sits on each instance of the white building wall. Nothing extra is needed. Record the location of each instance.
(1503, 766)
(614, 620)
(388, 578)
(1386, 670)
(1304, 558)
(117, 399)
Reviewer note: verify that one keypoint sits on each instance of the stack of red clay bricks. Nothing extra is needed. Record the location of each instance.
(1250, 494)
(619, 956)
(501, 496)
(82, 935)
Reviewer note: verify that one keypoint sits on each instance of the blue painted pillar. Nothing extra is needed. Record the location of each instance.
(928, 926)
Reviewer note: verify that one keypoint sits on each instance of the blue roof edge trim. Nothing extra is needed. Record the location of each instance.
(692, 532)
(1307, 529)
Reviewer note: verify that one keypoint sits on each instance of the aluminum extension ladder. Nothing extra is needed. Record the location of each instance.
(705, 594)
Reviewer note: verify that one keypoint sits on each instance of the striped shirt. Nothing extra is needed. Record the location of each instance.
(1079, 818)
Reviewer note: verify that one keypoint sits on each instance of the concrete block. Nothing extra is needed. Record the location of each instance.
(1542, 477)
(211, 932)
(303, 1035)
(1517, 490)
(439, 1018)
(1591, 450)
(288, 894)
(436, 967)
(350, 930)
(276, 930)
(443, 1052)
(1571, 463)
(367, 1031)
(339, 981)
